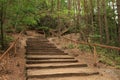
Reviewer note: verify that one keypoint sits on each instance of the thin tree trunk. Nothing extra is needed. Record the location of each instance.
(99, 21)
(69, 7)
(52, 6)
(92, 13)
(78, 15)
(118, 9)
(2, 22)
(59, 21)
(106, 23)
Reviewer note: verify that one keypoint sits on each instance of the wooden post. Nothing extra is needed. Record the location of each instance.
(15, 50)
(95, 56)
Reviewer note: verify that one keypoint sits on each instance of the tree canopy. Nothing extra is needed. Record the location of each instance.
(96, 20)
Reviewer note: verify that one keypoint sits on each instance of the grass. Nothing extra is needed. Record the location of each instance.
(71, 46)
(109, 57)
(106, 56)
(84, 48)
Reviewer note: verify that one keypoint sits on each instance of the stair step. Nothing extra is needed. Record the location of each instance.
(49, 57)
(44, 50)
(38, 45)
(51, 66)
(46, 53)
(51, 61)
(61, 72)
(54, 49)
(40, 48)
(37, 39)
(45, 61)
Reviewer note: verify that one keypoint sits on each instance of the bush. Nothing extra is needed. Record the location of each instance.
(45, 28)
(71, 46)
(8, 39)
(110, 57)
(19, 29)
(84, 47)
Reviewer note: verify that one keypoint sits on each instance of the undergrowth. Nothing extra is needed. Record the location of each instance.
(7, 40)
(106, 56)
(109, 57)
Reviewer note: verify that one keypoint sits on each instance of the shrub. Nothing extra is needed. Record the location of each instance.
(71, 46)
(19, 29)
(8, 39)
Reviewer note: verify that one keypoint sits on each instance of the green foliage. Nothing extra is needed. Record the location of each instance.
(71, 46)
(83, 47)
(106, 60)
(110, 57)
(29, 21)
(43, 28)
(19, 29)
(8, 39)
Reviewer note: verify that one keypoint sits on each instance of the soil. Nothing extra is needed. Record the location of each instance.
(16, 66)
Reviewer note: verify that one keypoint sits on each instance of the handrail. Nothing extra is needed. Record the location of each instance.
(12, 45)
(94, 48)
(93, 44)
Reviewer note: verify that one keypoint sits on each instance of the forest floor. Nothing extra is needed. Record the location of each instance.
(16, 66)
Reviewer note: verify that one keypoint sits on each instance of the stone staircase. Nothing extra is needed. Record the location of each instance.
(44, 61)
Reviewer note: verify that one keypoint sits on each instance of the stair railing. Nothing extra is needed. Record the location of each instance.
(92, 45)
(4, 58)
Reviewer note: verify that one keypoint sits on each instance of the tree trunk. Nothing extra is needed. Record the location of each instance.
(118, 9)
(99, 21)
(69, 7)
(106, 23)
(2, 22)
(52, 6)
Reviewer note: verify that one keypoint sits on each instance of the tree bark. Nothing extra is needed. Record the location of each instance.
(106, 23)
(78, 15)
(118, 9)
(99, 21)
(2, 22)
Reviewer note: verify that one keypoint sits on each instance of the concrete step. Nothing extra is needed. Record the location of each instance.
(46, 53)
(51, 61)
(60, 72)
(55, 65)
(42, 57)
